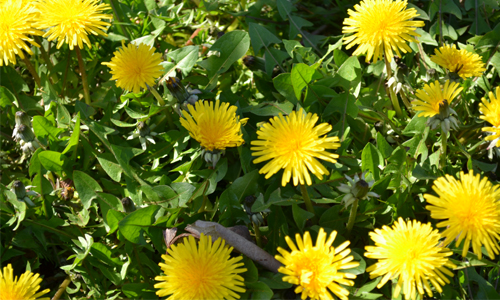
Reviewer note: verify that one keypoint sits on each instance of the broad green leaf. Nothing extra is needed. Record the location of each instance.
(334, 219)
(261, 37)
(44, 130)
(301, 216)
(269, 109)
(184, 190)
(383, 146)
(371, 159)
(257, 290)
(416, 125)
(114, 217)
(132, 225)
(52, 161)
(74, 139)
(230, 47)
(109, 165)
(185, 58)
(63, 116)
(283, 84)
(6, 97)
(301, 76)
(246, 185)
(87, 187)
(29, 103)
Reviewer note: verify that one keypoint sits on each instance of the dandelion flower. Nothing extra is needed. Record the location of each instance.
(491, 112)
(134, 67)
(470, 210)
(71, 21)
(315, 269)
(16, 26)
(409, 251)
(381, 26)
(461, 62)
(215, 127)
(25, 287)
(293, 143)
(200, 271)
(431, 96)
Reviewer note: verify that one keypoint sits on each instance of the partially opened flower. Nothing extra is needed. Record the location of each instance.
(461, 62)
(25, 287)
(16, 28)
(491, 111)
(317, 269)
(71, 21)
(469, 210)
(135, 66)
(295, 144)
(434, 102)
(200, 270)
(411, 253)
(381, 26)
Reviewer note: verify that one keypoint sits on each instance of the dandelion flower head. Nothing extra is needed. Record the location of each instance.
(432, 95)
(25, 287)
(294, 143)
(16, 26)
(381, 26)
(410, 252)
(317, 269)
(462, 62)
(215, 127)
(71, 21)
(200, 270)
(491, 114)
(135, 67)
(469, 209)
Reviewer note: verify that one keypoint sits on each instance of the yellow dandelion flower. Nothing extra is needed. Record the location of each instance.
(214, 127)
(491, 112)
(410, 252)
(470, 210)
(381, 26)
(71, 21)
(462, 62)
(25, 287)
(16, 26)
(432, 95)
(200, 270)
(293, 143)
(317, 269)
(134, 67)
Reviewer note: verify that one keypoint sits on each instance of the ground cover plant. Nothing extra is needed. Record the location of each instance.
(249, 149)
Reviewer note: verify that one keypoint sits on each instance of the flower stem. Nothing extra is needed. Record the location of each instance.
(32, 71)
(258, 238)
(308, 203)
(62, 288)
(85, 84)
(444, 142)
(156, 95)
(205, 198)
(352, 215)
(392, 95)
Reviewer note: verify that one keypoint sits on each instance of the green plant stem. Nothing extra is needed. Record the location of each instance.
(352, 215)
(205, 198)
(85, 84)
(308, 203)
(168, 113)
(392, 95)
(441, 23)
(405, 100)
(444, 143)
(258, 238)
(32, 71)
(156, 95)
(62, 288)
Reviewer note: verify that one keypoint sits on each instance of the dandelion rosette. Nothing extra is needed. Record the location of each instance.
(215, 127)
(381, 26)
(491, 114)
(200, 270)
(469, 209)
(461, 62)
(410, 252)
(71, 21)
(317, 269)
(294, 143)
(16, 26)
(135, 67)
(25, 287)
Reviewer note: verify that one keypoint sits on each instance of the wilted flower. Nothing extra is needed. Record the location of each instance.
(71, 21)
(317, 269)
(21, 118)
(461, 62)
(27, 139)
(470, 211)
(144, 133)
(201, 270)
(294, 143)
(135, 67)
(25, 287)
(491, 114)
(356, 189)
(411, 253)
(381, 26)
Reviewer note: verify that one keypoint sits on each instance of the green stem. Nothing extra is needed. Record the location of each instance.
(405, 100)
(85, 84)
(392, 95)
(32, 71)
(258, 238)
(444, 142)
(308, 203)
(205, 198)
(352, 215)
(62, 288)
(156, 95)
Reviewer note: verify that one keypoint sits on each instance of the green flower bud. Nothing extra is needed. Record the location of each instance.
(360, 189)
(26, 133)
(128, 205)
(143, 129)
(22, 119)
(177, 89)
(18, 189)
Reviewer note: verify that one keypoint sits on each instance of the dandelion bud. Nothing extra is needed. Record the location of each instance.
(22, 119)
(254, 63)
(25, 133)
(18, 189)
(143, 129)
(128, 205)
(360, 189)
(443, 109)
(177, 89)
